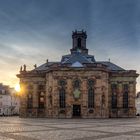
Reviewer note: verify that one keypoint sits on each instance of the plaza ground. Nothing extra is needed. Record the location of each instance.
(15, 128)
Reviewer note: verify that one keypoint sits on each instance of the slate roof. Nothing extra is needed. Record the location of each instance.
(111, 66)
(45, 66)
(77, 57)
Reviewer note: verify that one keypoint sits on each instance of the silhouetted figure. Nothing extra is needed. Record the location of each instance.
(35, 66)
(47, 61)
(24, 67)
(21, 69)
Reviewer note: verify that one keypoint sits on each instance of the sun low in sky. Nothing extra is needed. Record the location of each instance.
(32, 31)
(17, 88)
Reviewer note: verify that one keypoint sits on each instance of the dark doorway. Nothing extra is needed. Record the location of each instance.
(76, 110)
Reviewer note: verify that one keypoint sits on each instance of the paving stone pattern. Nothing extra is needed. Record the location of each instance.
(14, 128)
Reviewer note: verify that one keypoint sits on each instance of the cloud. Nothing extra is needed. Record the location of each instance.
(33, 31)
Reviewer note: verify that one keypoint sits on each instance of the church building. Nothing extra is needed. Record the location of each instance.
(78, 86)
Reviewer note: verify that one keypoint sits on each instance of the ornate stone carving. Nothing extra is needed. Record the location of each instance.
(76, 94)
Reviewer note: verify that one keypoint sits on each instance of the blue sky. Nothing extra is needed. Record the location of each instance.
(32, 31)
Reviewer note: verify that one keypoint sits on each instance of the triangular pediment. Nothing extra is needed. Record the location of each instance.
(77, 64)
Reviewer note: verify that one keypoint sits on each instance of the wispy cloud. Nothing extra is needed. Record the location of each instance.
(33, 31)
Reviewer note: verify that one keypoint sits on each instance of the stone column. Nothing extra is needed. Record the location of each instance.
(69, 98)
(104, 96)
(131, 99)
(49, 96)
(23, 101)
(55, 98)
(120, 99)
(84, 95)
(132, 94)
(35, 99)
(97, 98)
(109, 95)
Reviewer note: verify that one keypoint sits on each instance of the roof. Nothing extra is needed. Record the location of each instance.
(77, 60)
(45, 66)
(111, 66)
(77, 57)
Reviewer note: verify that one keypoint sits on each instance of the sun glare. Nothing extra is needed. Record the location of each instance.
(17, 87)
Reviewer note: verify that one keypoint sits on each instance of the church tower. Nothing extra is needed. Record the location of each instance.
(79, 42)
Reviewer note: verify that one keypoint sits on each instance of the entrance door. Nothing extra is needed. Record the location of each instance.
(76, 110)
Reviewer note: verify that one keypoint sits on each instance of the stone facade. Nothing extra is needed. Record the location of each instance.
(78, 86)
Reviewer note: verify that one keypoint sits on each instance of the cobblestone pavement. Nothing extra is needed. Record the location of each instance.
(14, 128)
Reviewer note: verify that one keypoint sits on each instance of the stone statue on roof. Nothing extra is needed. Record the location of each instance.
(35, 66)
(21, 69)
(24, 67)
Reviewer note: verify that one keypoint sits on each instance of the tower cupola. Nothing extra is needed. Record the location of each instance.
(79, 42)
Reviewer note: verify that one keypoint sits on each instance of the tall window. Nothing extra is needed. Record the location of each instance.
(62, 98)
(30, 100)
(79, 42)
(125, 96)
(90, 93)
(114, 95)
(62, 94)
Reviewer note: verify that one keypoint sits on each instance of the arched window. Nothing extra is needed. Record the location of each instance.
(29, 101)
(90, 93)
(76, 84)
(90, 83)
(62, 83)
(62, 97)
(125, 96)
(114, 95)
(79, 42)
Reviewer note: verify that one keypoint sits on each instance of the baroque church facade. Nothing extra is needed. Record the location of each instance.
(78, 86)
